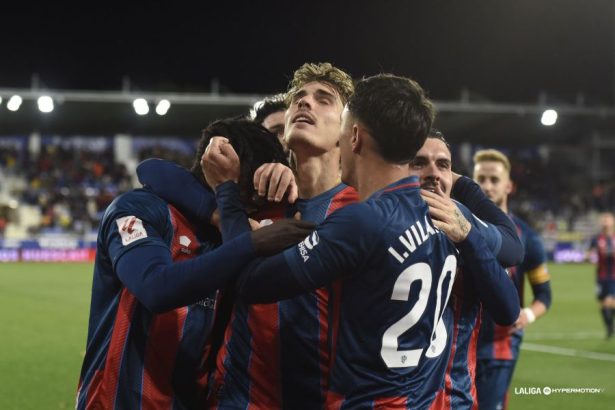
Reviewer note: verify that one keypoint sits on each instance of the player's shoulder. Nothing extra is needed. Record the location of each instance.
(137, 199)
(357, 216)
(141, 203)
(345, 194)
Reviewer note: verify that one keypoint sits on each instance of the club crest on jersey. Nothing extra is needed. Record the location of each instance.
(185, 242)
(308, 244)
(131, 229)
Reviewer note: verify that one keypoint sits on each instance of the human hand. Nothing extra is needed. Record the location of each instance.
(220, 162)
(273, 180)
(446, 215)
(521, 323)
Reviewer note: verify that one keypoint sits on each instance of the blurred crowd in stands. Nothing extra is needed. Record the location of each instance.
(71, 187)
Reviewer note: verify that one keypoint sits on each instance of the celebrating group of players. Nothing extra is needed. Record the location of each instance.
(248, 283)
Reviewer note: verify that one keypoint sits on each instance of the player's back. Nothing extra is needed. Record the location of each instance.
(135, 358)
(389, 307)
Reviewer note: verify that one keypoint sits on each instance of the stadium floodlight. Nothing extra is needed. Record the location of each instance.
(45, 103)
(140, 105)
(14, 103)
(549, 117)
(163, 107)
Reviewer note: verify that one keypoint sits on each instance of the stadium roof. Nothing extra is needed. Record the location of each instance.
(527, 53)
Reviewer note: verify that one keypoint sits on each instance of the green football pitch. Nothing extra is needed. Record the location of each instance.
(44, 310)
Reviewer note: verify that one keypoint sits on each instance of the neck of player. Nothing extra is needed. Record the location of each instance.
(317, 174)
(375, 174)
(504, 205)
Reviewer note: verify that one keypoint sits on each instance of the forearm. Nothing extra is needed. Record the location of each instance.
(233, 217)
(542, 297)
(179, 187)
(162, 285)
(538, 308)
(493, 285)
(469, 193)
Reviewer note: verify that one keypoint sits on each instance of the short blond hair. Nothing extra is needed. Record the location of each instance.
(492, 155)
(322, 72)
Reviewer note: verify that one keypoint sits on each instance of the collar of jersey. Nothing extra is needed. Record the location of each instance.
(404, 183)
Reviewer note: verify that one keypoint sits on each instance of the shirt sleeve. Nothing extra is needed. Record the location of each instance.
(489, 232)
(161, 285)
(178, 186)
(233, 217)
(332, 251)
(495, 289)
(535, 267)
(135, 237)
(469, 193)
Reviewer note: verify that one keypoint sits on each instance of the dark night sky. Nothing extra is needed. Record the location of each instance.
(506, 50)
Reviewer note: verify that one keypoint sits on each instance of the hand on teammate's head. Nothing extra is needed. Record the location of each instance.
(220, 162)
(275, 180)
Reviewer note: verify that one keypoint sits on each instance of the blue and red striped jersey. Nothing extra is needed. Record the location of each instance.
(464, 314)
(495, 341)
(459, 390)
(605, 249)
(134, 358)
(373, 324)
(277, 355)
(395, 274)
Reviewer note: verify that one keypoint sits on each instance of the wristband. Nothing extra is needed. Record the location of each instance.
(529, 314)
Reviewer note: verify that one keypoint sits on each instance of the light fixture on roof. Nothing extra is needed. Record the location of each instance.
(140, 105)
(163, 107)
(549, 117)
(14, 103)
(45, 103)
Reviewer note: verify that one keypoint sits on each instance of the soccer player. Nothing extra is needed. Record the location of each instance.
(498, 346)
(269, 113)
(395, 264)
(154, 295)
(277, 355)
(604, 244)
(433, 165)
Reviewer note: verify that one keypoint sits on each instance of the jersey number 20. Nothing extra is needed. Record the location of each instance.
(401, 291)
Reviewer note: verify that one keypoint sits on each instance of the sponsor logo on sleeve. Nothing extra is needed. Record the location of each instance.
(131, 229)
(308, 244)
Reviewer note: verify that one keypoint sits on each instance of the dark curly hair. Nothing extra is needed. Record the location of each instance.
(254, 145)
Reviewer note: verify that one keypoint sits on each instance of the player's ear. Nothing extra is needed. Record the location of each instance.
(509, 186)
(356, 140)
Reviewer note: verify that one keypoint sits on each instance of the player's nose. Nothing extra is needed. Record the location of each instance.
(303, 102)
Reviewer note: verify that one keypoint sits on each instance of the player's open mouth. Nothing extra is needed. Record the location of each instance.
(305, 118)
(429, 186)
